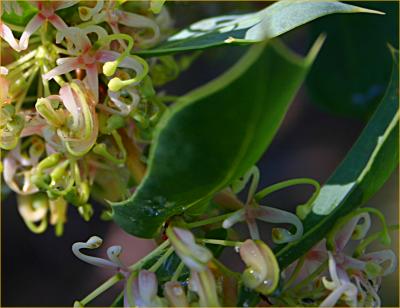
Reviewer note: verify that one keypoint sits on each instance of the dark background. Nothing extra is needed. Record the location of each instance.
(40, 270)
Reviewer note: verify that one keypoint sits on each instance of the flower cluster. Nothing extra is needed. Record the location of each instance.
(335, 272)
(77, 106)
(203, 285)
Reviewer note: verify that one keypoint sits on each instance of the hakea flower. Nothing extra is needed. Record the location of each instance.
(340, 286)
(203, 283)
(252, 211)
(113, 254)
(88, 55)
(262, 272)
(46, 13)
(77, 124)
(140, 288)
(106, 11)
(18, 168)
(34, 209)
(354, 279)
(193, 255)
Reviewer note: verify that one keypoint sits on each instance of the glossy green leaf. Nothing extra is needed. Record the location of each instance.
(268, 23)
(353, 69)
(364, 170)
(213, 135)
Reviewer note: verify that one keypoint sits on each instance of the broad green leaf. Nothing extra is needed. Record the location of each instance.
(213, 135)
(357, 59)
(364, 170)
(268, 23)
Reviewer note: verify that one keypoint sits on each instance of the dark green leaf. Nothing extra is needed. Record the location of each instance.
(213, 135)
(268, 23)
(353, 70)
(364, 170)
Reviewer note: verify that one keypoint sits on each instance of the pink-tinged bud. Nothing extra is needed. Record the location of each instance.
(143, 291)
(193, 255)
(203, 283)
(262, 273)
(175, 294)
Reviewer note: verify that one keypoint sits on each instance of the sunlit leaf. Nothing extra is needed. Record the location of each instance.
(268, 23)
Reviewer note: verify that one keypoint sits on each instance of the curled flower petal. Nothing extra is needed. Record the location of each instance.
(31, 27)
(274, 215)
(138, 21)
(345, 233)
(335, 296)
(382, 257)
(33, 208)
(82, 133)
(11, 165)
(92, 243)
(7, 35)
(193, 255)
(203, 283)
(66, 65)
(236, 217)
(262, 272)
(85, 13)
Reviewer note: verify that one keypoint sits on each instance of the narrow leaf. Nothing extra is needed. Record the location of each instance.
(364, 170)
(268, 23)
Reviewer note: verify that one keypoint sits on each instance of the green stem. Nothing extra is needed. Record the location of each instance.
(151, 255)
(208, 221)
(365, 242)
(178, 271)
(25, 58)
(160, 261)
(104, 287)
(219, 242)
(278, 186)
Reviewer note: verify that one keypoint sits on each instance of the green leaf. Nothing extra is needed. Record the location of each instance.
(213, 135)
(268, 23)
(364, 170)
(357, 59)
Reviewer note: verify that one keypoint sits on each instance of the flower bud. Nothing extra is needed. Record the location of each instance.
(203, 283)
(193, 255)
(175, 294)
(262, 273)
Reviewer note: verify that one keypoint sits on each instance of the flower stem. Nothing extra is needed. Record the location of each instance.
(160, 261)
(219, 242)
(208, 221)
(178, 271)
(151, 255)
(104, 287)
